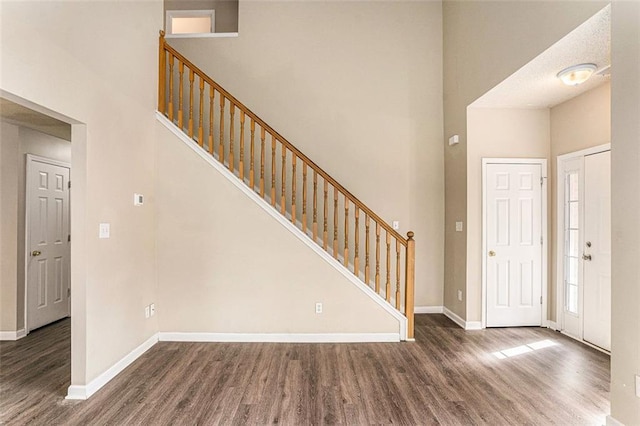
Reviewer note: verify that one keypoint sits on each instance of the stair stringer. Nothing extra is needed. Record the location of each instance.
(282, 220)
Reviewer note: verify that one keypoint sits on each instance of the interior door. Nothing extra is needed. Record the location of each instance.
(597, 250)
(47, 244)
(513, 197)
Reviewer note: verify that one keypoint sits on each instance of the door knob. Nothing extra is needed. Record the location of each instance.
(586, 257)
(492, 253)
(36, 253)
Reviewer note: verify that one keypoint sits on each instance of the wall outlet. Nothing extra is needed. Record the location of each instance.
(318, 308)
(458, 226)
(460, 295)
(104, 230)
(152, 309)
(395, 224)
(147, 311)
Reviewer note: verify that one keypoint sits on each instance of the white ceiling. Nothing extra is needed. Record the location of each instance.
(23, 116)
(535, 85)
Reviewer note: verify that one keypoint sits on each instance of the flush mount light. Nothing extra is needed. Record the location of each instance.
(576, 74)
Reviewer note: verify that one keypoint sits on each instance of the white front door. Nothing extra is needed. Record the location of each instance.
(513, 235)
(597, 250)
(47, 243)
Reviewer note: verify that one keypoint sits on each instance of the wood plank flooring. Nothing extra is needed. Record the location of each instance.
(448, 376)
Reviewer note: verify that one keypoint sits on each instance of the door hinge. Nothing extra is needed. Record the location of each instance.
(69, 184)
(68, 292)
(69, 238)
(540, 240)
(541, 181)
(541, 300)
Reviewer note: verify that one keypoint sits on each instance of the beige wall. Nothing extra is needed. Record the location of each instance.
(9, 148)
(582, 122)
(27, 142)
(361, 97)
(97, 62)
(485, 42)
(226, 266)
(498, 133)
(226, 11)
(625, 183)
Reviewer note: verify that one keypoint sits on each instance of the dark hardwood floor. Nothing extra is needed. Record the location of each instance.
(448, 376)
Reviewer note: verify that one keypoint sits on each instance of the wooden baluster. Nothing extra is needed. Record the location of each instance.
(191, 75)
(180, 94)
(304, 197)
(283, 198)
(162, 69)
(262, 162)
(241, 161)
(397, 274)
(335, 222)
(377, 258)
(356, 245)
(201, 115)
(211, 95)
(325, 233)
(273, 171)
(410, 276)
(171, 87)
(252, 180)
(387, 289)
(366, 249)
(232, 121)
(315, 206)
(346, 232)
(221, 140)
(293, 187)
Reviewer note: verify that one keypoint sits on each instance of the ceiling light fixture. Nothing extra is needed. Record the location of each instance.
(576, 74)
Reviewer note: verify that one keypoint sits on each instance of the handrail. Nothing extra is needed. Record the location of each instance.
(408, 243)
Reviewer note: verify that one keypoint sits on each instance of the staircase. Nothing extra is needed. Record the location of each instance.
(288, 180)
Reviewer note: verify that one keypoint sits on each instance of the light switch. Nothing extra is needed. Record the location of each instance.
(138, 199)
(395, 225)
(105, 230)
(458, 226)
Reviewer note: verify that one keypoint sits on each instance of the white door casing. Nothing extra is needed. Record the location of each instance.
(47, 245)
(597, 250)
(514, 265)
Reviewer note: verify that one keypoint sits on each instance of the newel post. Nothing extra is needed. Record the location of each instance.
(410, 270)
(161, 73)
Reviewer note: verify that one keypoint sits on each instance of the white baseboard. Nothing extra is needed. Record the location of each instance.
(12, 335)
(552, 325)
(279, 338)
(428, 310)
(84, 392)
(613, 422)
(467, 325)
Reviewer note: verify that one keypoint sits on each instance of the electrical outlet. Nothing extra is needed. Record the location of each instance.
(147, 312)
(318, 308)
(105, 230)
(152, 309)
(395, 224)
(458, 226)
(460, 295)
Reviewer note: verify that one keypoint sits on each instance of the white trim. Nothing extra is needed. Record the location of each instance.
(30, 159)
(279, 337)
(584, 342)
(402, 320)
(202, 35)
(584, 152)
(12, 335)
(170, 14)
(545, 231)
(84, 392)
(428, 310)
(467, 325)
(613, 422)
(552, 325)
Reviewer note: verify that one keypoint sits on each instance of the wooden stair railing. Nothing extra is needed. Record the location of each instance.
(205, 121)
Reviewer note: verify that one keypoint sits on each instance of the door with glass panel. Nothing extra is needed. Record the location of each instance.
(585, 217)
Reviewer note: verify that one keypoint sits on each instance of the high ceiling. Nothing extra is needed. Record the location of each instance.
(23, 116)
(535, 85)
